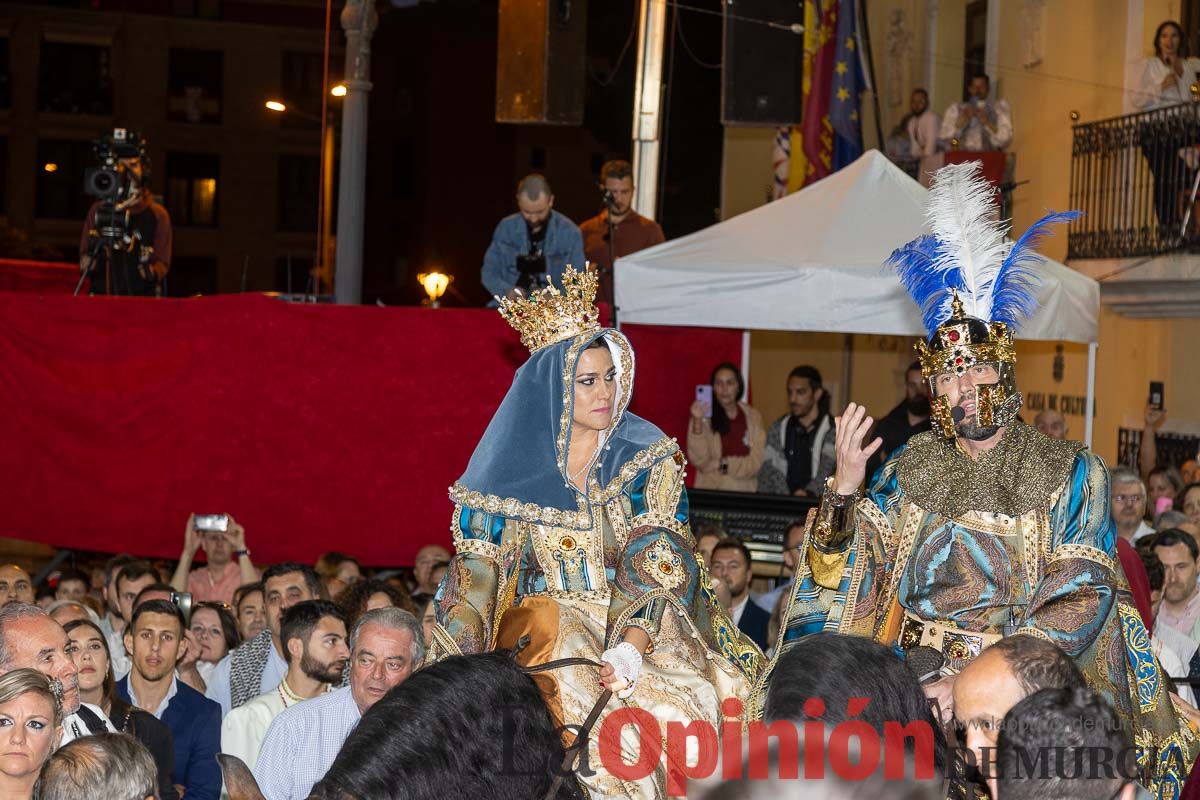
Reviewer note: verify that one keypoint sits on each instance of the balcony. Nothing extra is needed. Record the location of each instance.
(1132, 177)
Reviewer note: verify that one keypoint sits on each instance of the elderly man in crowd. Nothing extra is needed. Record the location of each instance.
(30, 639)
(113, 766)
(386, 645)
(1129, 504)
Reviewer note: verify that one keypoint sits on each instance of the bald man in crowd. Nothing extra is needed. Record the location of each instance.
(1002, 676)
(1051, 423)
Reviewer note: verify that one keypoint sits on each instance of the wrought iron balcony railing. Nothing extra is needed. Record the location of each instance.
(1132, 176)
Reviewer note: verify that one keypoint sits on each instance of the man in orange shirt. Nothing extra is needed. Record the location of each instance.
(618, 230)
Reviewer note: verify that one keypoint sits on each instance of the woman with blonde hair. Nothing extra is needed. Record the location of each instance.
(30, 729)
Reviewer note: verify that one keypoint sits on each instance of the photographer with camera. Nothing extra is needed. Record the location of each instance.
(618, 230)
(530, 249)
(229, 565)
(125, 248)
(979, 124)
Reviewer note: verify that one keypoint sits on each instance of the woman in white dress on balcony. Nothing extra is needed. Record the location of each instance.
(1167, 80)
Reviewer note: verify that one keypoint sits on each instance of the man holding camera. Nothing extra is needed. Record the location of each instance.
(979, 124)
(125, 248)
(530, 249)
(618, 230)
(229, 565)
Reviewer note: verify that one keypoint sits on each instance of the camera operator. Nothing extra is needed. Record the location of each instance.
(125, 248)
(530, 249)
(618, 230)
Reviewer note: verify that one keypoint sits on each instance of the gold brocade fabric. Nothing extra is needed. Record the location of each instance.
(1013, 478)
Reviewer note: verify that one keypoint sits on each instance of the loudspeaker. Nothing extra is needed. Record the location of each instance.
(763, 65)
(540, 68)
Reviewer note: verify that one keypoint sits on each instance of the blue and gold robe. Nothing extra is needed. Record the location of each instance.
(572, 570)
(1019, 541)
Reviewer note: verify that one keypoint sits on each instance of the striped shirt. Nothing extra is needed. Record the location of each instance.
(302, 743)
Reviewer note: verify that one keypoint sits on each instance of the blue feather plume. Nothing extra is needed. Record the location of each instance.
(916, 263)
(995, 278)
(1014, 289)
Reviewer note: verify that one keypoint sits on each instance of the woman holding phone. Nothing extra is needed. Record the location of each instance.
(726, 435)
(1167, 80)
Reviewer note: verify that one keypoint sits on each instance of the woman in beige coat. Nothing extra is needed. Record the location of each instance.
(725, 442)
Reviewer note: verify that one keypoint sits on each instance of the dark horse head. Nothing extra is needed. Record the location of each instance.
(468, 726)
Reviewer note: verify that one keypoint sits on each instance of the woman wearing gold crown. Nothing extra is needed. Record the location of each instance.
(983, 527)
(571, 525)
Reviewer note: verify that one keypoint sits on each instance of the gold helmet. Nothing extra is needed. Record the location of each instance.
(973, 287)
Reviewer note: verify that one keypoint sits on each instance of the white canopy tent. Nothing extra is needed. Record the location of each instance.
(813, 261)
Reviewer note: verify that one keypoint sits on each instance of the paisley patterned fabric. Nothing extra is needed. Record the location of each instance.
(1049, 571)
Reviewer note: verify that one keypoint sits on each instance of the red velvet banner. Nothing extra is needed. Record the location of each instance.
(44, 277)
(317, 427)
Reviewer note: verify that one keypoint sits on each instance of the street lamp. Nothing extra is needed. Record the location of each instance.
(435, 284)
(324, 235)
(338, 90)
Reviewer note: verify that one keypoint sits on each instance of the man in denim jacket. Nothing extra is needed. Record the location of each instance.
(536, 229)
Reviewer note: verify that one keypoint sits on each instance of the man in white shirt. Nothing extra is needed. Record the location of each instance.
(731, 564)
(314, 637)
(258, 665)
(30, 639)
(978, 124)
(386, 645)
(1180, 607)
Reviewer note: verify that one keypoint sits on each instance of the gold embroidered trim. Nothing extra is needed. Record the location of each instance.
(441, 645)
(877, 518)
(1032, 631)
(531, 512)
(478, 547)
(1084, 551)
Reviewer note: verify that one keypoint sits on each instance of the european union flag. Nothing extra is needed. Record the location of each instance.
(846, 89)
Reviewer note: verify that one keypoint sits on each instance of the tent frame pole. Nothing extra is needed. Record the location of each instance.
(1090, 412)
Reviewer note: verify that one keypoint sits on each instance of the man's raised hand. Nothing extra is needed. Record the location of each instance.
(852, 427)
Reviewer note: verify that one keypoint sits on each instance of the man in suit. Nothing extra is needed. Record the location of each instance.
(731, 563)
(155, 641)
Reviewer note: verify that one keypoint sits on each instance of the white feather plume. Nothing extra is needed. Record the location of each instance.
(962, 213)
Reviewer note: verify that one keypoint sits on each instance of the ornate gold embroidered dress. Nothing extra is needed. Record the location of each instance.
(951, 552)
(572, 570)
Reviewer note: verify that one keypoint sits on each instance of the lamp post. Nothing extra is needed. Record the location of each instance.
(359, 20)
(324, 266)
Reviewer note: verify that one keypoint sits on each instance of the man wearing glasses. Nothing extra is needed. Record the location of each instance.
(1129, 504)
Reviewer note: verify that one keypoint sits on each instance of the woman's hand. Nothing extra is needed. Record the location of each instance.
(698, 411)
(620, 667)
(852, 427)
(1155, 417)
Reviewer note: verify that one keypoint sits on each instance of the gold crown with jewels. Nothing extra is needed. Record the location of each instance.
(548, 315)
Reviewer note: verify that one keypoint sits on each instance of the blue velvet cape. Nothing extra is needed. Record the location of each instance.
(520, 463)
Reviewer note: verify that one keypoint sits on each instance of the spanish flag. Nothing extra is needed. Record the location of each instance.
(831, 133)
